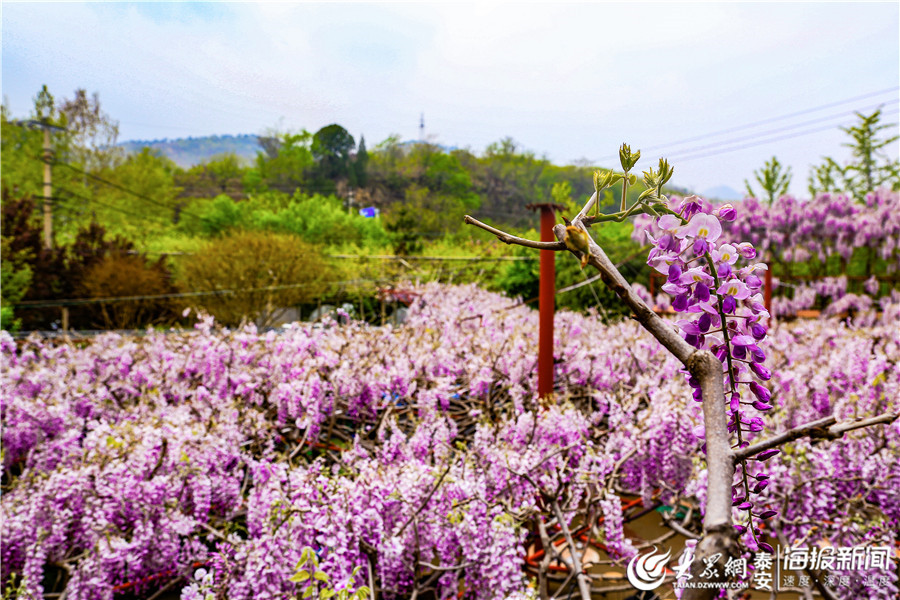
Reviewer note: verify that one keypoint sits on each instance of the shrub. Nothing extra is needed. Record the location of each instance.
(255, 275)
(120, 275)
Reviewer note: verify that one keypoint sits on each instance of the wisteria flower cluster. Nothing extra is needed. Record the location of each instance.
(831, 292)
(726, 315)
(796, 230)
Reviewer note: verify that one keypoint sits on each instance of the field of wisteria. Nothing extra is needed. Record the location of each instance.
(412, 458)
(417, 461)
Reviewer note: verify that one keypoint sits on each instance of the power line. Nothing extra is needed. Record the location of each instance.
(74, 195)
(758, 123)
(433, 258)
(766, 141)
(129, 191)
(112, 299)
(779, 130)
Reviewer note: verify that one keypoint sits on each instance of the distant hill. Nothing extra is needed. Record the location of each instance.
(187, 152)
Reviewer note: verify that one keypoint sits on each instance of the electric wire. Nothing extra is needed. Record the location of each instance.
(763, 142)
(131, 192)
(757, 123)
(779, 130)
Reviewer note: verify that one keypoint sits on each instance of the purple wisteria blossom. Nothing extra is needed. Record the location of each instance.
(725, 316)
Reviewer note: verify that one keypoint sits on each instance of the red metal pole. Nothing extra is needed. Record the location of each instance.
(546, 300)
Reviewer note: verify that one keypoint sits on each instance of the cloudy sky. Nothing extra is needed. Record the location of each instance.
(717, 87)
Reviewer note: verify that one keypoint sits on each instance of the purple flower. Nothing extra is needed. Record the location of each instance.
(761, 371)
(725, 253)
(729, 304)
(674, 273)
(758, 331)
(766, 454)
(747, 250)
(756, 354)
(760, 391)
(743, 340)
(705, 320)
(701, 226)
(690, 206)
(726, 212)
(701, 292)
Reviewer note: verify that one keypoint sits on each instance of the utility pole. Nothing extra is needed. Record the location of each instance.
(47, 158)
(422, 128)
(48, 192)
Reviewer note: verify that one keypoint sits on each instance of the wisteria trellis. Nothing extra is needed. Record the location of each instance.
(132, 456)
(420, 454)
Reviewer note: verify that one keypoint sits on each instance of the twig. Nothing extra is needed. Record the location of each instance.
(841, 428)
(511, 239)
(422, 563)
(164, 589)
(825, 429)
(427, 498)
(545, 562)
(584, 584)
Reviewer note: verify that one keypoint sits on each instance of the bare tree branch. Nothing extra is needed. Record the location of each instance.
(511, 239)
(584, 582)
(836, 431)
(824, 428)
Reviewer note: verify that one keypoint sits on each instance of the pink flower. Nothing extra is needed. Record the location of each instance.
(725, 253)
(702, 226)
(696, 275)
(735, 288)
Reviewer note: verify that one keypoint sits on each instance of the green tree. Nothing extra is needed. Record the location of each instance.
(360, 165)
(773, 179)
(331, 148)
(403, 223)
(93, 133)
(221, 174)
(284, 163)
(870, 168)
(21, 162)
(15, 278)
(255, 275)
(137, 199)
(825, 178)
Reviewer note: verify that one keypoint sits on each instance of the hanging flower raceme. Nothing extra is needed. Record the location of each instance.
(725, 315)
